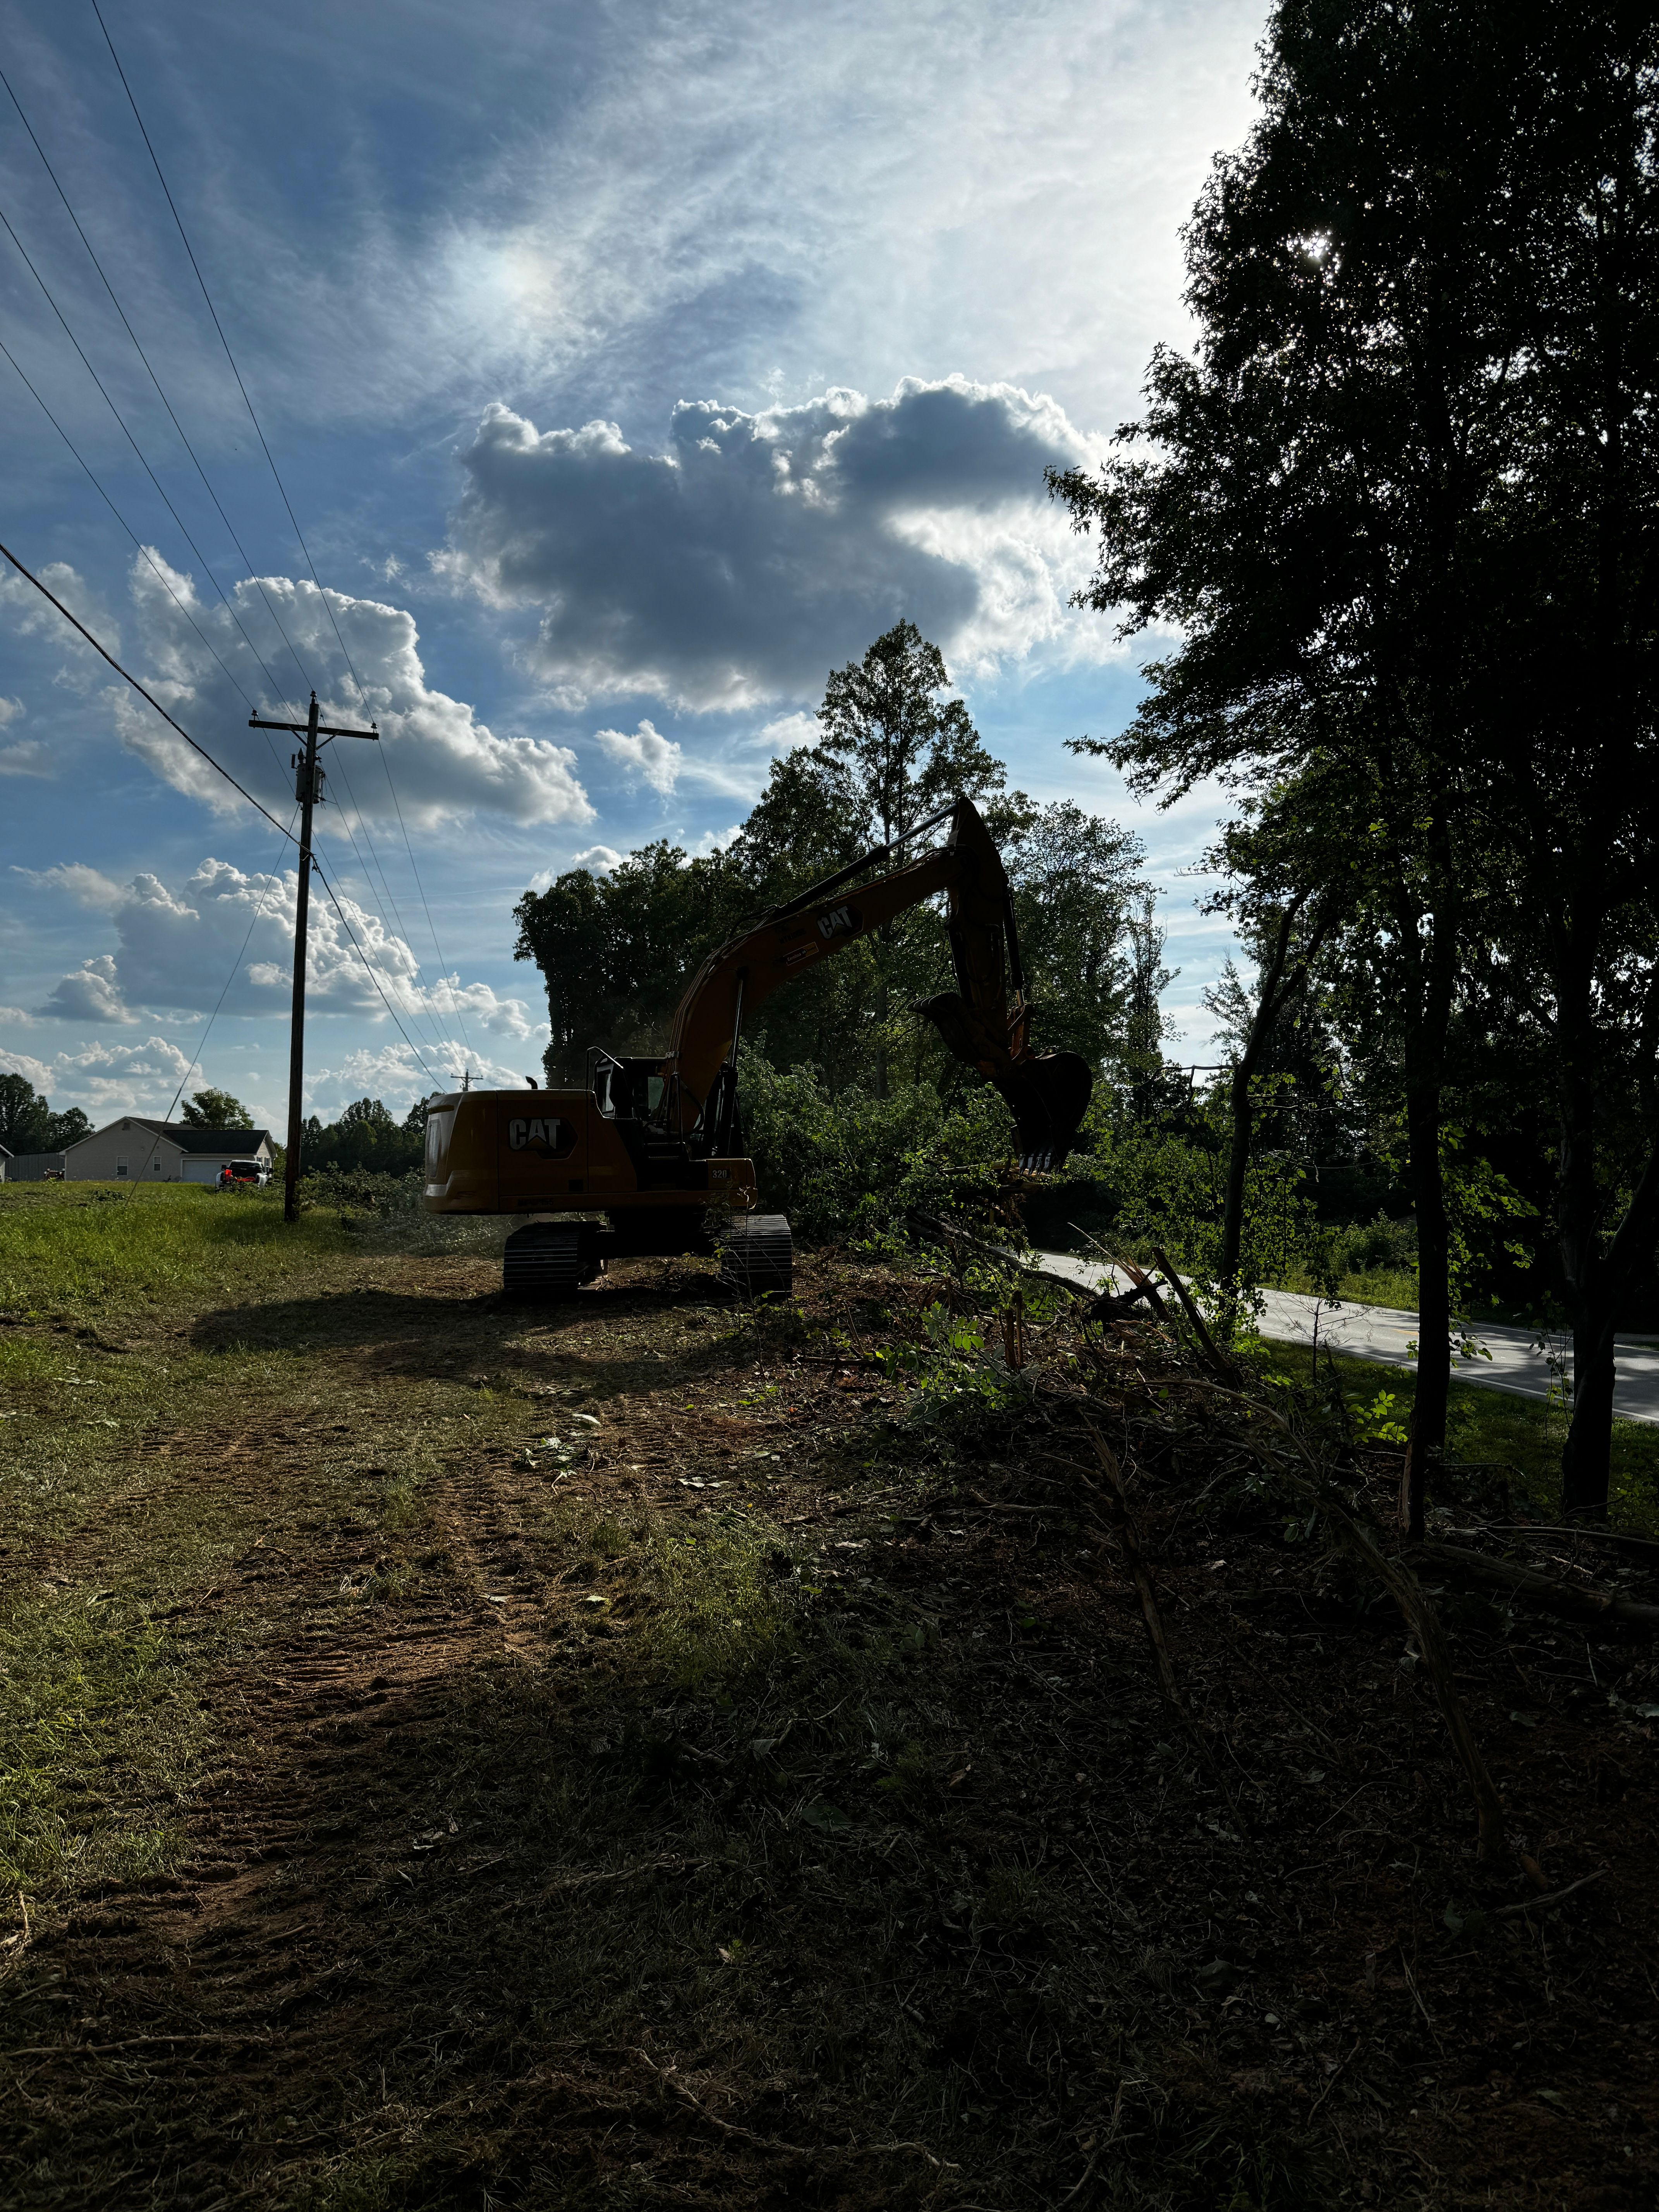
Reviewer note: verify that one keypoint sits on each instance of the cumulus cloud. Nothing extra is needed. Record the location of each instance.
(736, 567)
(174, 941)
(28, 757)
(34, 616)
(445, 762)
(107, 1079)
(92, 993)
(392, 1075)
(13, 1014)
(87, 887)
(644, 756)
(598, 859)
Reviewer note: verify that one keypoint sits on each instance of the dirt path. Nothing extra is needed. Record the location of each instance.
(750, 1801)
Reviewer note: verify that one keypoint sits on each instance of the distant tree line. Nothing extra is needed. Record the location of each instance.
(366, 1137)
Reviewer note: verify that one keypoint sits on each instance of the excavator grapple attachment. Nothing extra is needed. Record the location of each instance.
(758, 1254)
(1048, 1095)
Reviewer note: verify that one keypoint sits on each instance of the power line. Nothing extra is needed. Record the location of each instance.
(138, 543)
(162, 395)
(287, 504)
(143, 461)
(373, 978)
(105, 654)
(29, 576)
(271, 458)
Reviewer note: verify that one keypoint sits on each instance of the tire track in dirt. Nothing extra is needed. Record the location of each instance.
(177, 2016)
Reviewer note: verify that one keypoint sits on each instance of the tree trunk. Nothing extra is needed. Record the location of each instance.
(1597, 1284)
(1430, 975)
(1270, 1002)
(1426, 1442)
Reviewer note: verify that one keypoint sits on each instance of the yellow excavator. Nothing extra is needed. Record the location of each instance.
(651, 1154)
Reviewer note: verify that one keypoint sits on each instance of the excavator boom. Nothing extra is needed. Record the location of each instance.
(984, 1021)
(647, 1158)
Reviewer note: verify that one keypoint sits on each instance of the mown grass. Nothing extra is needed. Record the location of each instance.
(66, 1247)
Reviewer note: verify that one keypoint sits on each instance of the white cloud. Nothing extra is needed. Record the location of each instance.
(738, 567)
(175, 944)
(27, 757)
(14, 1014)
(787, 734)
(34, 616)
(87, 887)
(92, 993)
(446, 764)
(105, 1081)
(645, 755)
(392, 1075)
(598, 859)
(717, 840)
(10, 710)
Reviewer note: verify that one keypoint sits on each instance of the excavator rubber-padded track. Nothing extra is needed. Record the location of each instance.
(547, 1260)
(758, 1254)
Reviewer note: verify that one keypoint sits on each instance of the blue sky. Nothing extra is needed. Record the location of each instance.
(627, 369)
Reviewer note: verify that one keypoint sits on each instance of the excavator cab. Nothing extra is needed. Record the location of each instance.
(650, 1155)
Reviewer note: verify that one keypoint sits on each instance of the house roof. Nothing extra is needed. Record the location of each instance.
(234, 1143)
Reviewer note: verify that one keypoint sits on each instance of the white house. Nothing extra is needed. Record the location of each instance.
(137, 1150)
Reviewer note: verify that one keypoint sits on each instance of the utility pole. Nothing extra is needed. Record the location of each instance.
(308, 790)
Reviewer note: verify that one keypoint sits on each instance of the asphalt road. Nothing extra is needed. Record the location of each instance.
(1518, 1362)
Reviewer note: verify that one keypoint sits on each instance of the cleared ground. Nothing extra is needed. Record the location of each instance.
(642, 1754)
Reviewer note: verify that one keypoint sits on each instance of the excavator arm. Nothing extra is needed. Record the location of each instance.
(984, 1021)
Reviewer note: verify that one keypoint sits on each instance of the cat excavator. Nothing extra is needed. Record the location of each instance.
(648, 1158)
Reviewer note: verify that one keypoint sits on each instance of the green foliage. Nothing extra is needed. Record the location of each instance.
(215, 1109)
(366, 1139)
(28, 1123)
(858, 1163)
(1160, 1184)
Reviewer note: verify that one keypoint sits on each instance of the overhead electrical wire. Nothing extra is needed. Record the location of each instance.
(160, 394)
(143, 463)
(149, 698)
(276, 479)
(185, 237)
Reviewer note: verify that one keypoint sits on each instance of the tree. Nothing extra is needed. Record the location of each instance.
(893, 751)
(615, 951)
(23, 1116)
(1078, 891)
(1309, 506)
(215, 1109)
(366, 1136)
(28, 1123)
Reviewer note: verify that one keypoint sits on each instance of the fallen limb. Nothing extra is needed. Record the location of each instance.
(1643, 1546)
(1218, 1363)
(1001, 1254)
(1570, 1600)
(1544, 1903)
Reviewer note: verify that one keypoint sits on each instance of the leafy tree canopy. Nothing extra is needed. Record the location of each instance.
(216, 1110)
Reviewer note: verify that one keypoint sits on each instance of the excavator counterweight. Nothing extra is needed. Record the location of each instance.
(648, 1157)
